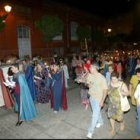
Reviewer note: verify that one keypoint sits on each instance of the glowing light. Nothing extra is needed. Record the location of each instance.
(8, 8)
(109, 30)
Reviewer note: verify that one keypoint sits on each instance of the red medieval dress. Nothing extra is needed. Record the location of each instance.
(8, 100)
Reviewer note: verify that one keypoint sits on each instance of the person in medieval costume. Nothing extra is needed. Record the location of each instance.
(26, 108)
(42, 83)
(9, 78)
(64, 67)
(58, 90)
(6, 99)
(29, 74)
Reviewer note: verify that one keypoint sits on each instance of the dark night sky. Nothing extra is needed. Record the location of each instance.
(104, 8)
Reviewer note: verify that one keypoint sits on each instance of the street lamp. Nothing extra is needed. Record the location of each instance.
(8, 8)
(109, 30)
(3, 16)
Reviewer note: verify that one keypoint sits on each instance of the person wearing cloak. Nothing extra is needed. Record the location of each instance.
(58, 90)
(26, 108)
(29, 75)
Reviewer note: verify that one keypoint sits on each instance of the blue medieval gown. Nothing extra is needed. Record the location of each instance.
(26, 107)
(29, 74)
(58, 92)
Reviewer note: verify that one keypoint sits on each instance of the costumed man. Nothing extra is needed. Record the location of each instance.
(29, 75)
(58, 90)
(26, 107)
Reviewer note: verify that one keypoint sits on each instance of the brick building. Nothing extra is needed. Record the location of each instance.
(20, 37)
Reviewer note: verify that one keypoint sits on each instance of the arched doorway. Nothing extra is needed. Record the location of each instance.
(24, 41)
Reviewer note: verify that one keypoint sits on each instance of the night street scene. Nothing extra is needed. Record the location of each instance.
(69, 69)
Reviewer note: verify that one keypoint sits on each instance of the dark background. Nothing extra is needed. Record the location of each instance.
(103, 8)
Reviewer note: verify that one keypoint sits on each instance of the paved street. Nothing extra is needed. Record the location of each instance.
(70, 124)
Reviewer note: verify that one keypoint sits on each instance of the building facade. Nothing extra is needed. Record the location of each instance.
(20, 37)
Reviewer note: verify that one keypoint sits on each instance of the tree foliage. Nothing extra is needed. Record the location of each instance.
(50, 26)
(98, 36)
(114, 38)
(83, 32)
(2, 24)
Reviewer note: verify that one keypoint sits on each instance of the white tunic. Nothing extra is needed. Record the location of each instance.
(65, 69)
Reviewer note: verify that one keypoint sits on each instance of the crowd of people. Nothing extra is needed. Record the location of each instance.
(107, 80)
(103, 81)
(35, 83)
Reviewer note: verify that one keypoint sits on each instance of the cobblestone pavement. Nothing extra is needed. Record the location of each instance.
(70, 124)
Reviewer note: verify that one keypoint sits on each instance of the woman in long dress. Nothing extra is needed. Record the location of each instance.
(41, 82)
(81, 79)
(7, 99)
(11, 90)
(132, 87)
(26, 108)
(115, 112)
(29, 74)
(58, 94)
